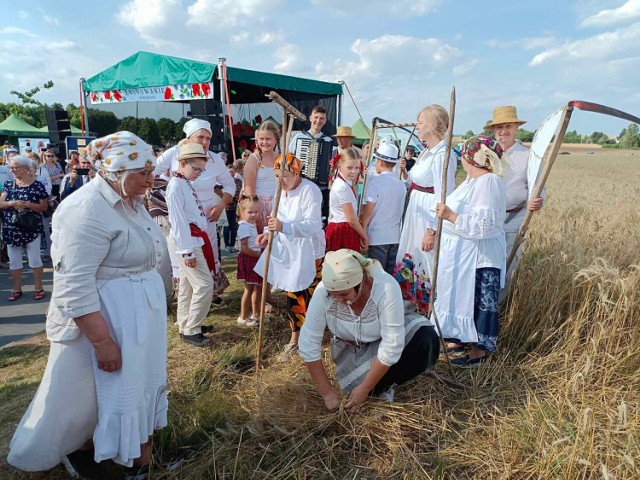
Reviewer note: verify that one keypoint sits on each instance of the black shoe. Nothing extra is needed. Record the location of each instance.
(80, 464)
(467, 362)
(136, 473)
(207, 328)
(217, 302)
(198, 340)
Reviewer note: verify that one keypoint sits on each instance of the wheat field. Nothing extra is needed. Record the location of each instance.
(559, 401)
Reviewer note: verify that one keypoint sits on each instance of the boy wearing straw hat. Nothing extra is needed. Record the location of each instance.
(505, 124)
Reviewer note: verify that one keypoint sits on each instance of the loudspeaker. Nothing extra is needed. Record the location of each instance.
(204, 108)
(59, 129)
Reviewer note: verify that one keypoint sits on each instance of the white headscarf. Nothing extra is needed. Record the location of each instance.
(344, 269)
(195, 124)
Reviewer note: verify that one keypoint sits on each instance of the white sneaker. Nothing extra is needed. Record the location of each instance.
(247, 322)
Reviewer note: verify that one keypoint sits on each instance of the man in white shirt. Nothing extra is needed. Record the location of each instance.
(505, 124)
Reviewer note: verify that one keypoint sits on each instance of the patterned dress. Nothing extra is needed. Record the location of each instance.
(11, 234)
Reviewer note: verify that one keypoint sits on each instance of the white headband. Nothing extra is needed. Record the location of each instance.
(195, 124)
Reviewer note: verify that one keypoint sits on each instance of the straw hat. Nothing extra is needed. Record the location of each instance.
(190, 151)
(344, 132)
(506, 114)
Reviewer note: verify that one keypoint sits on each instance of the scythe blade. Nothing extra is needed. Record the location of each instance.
(596, 107)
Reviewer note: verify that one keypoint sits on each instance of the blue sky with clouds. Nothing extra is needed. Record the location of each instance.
(395, 55)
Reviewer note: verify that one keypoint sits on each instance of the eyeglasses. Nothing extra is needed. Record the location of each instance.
(49, 156)
(252, 197)
(16, 167)
(198, 170)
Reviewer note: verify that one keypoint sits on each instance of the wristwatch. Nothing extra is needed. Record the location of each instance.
(431, 231)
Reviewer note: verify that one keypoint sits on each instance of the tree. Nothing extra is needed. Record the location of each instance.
(599, 137)
(179, 133)
(488, 131)
(630, 137)
(572, 137)
(167, 129)
(524, 135)
(102, 123)
(27, 97)
(148, 131)
(129, 124)
(468, 135)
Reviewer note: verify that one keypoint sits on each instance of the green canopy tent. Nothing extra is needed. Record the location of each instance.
(74, 130)
(14, 126)
(361, 132)
(147, 77)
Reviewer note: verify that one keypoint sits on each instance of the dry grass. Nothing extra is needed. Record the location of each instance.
(560, 400)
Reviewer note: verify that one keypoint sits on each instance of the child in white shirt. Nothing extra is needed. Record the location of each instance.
(189, 240)
(382, 210)
(249, 208)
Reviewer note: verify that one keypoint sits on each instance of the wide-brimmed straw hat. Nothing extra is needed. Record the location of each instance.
(506, 114)
(189, 151)
(344, 132)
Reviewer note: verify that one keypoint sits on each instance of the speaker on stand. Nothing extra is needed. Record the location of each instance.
(59, 129)
(211, 111)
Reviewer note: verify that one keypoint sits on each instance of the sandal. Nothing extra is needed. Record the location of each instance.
(14, 296)
(39, 295)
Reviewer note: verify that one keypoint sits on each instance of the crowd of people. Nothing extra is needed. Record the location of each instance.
(361, 273)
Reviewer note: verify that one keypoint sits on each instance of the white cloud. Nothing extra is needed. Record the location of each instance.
(53, 21)
(17, 31)
(62, 45)
(464, 68)
(602, 47)
(382, 55)
(241, 37)
(23, 14)
(527, 43)
(397, 8)
(629, 11)
(227, 14)
(289, 58)
(154, 20)
(264, 38)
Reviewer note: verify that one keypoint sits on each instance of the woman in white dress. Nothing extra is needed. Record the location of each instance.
(104, 388)
(376, 344)
(473, 253)
(298, 245)
(414, 264)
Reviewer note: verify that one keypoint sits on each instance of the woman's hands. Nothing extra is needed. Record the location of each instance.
(274, 225)
(356, 398)
(331, 399)
(428, 240)
(444, 212)
(108, 354)
(190, 262)
(262, 240)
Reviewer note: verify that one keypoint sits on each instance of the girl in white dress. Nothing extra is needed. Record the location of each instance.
(414, 264)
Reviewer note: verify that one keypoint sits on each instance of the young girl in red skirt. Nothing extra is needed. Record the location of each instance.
(249, 207)
(344, 229)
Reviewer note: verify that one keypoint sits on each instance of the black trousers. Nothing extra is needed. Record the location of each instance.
(420, 354)
(231, 231)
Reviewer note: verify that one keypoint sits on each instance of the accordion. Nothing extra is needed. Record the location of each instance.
(315, 157)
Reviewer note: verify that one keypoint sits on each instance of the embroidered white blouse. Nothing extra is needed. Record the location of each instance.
(381, 318)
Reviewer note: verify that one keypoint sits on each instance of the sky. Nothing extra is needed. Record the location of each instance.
(396, 56)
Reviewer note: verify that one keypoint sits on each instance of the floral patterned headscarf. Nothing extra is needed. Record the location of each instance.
(484, 152)
(293, 164)
(121, 151)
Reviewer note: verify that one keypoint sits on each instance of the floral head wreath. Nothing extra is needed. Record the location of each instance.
(293, 164)
(484, 152)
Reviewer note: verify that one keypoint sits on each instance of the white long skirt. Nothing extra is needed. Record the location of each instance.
(419, 214)
(76, 400)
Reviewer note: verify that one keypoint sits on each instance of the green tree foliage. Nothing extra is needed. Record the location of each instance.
(599, 137)
(468, 135)
(524, 135)
(179, 133)
(148, 131)
(167, 129)
(572, 137)
(27, 97)
(630, 137)
(101, 123)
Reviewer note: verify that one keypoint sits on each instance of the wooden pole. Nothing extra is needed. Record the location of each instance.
(404, 152)
(548, 161)
(372, 137)
(287, 126)
(436, 246)
(395, 125)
